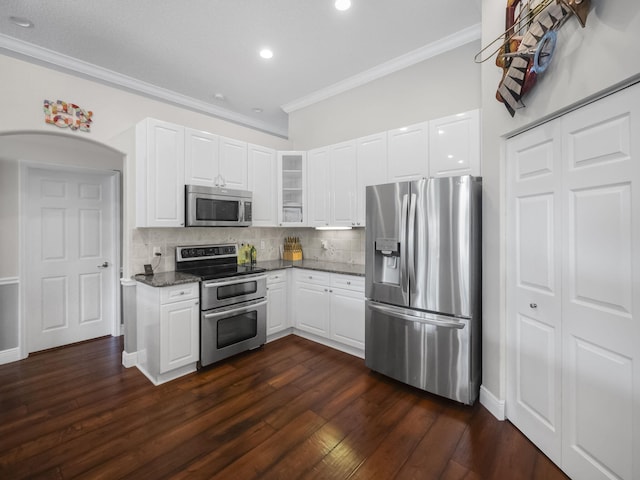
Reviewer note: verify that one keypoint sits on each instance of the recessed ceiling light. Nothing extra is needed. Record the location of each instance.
(257, 110)
(21, 22)
(343, 5)
(266, 53)
(219, 96)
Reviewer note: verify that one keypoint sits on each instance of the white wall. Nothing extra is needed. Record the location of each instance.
(437, 87)
(24, 88)
(8, 217)
(586, 62)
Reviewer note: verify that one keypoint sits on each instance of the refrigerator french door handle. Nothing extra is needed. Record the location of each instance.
(432, 320)
(412, 241)
(403, 246)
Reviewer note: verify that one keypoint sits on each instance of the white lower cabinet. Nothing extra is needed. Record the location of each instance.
(277, 307)
(330, 307)
(168, 329)
(311, 291)
(347, 317)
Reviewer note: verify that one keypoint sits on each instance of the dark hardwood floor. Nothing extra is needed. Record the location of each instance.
(293, 409)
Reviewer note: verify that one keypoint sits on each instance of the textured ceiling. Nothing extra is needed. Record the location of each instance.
(196, 48)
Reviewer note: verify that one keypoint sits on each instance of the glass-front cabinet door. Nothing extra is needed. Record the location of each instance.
(292, 186)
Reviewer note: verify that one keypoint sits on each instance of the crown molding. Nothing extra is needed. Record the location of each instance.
(450, 42)
(66, 63)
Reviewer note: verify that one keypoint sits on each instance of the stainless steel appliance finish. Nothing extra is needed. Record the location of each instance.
(233, 303)
(230, 330)
(217, 207)
(423, 284)
(220, 293)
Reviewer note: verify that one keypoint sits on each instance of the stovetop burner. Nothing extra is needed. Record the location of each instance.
(213, 272)
(212, 261)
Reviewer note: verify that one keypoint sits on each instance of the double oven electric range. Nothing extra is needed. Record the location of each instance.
(233, 304)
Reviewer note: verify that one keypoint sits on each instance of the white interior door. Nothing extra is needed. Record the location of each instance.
(71, 269)
(534, 287)
(574, 253)
(601, 288)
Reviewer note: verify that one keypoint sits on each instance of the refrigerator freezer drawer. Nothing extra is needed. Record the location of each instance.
(428, 351)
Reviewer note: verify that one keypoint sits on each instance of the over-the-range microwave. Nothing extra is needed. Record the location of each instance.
(217, 207)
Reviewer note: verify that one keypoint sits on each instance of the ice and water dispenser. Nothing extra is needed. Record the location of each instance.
(387, 261)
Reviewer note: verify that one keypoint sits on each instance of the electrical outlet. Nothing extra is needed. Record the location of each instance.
(157, 252)
(262, 245)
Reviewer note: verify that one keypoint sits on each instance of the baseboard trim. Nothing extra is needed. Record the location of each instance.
(495, 406)
(356, 352)
(129, 359)
(9, 355)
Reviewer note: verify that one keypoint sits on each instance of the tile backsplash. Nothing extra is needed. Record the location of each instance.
(345, 246)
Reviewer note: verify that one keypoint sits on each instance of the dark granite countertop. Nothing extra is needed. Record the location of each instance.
(332, 267)
(167, 279)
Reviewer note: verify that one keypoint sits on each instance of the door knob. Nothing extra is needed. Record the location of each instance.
(104, 265)
(533, 305)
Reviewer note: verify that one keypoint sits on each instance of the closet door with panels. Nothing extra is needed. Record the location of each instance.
(573, 287)
(601, 288)
(534, 287)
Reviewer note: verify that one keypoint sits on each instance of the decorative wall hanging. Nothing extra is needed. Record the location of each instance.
(65, 115)
(528, 44)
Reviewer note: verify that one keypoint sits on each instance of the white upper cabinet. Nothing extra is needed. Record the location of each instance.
(331, 181)
(318, 186)
(343, 184)
(371, 155)
(201, 165)
(214, 161)
(263, 179)
(454, 145)
(233, 163)
(408, 152)
(159, 163)
(292, 185)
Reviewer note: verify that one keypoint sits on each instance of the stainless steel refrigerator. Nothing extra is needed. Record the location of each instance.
(423, 284)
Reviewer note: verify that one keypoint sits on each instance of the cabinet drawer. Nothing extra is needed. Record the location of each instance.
(349, 282)
(178, 293)
(277, 277)
(314, 277)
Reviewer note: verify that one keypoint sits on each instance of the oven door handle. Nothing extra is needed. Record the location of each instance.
(212, 284)
(234, 311)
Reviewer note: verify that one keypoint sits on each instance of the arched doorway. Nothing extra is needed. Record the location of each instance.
(59, 152)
